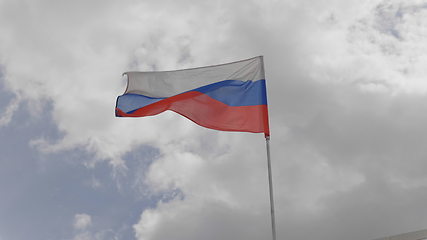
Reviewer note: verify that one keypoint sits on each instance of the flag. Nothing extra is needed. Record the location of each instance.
(227, 97)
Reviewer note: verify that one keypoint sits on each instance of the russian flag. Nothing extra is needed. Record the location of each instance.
(227, 97)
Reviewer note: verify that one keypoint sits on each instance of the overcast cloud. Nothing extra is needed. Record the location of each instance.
(347, 93)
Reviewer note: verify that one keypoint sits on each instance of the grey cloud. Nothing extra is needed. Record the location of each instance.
(347, 116)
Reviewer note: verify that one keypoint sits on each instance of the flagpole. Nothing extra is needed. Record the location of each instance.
(270, 185)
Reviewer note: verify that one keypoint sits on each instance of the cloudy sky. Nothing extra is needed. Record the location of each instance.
(347, 93)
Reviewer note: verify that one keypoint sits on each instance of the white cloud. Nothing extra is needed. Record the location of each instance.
(8, 113)
(101, 235)
(82, 221)
(84, 230)
(84, 236)
(346, 93)
(95, 183)
(385, 43)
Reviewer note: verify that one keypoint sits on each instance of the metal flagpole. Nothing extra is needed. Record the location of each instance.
(270, 184)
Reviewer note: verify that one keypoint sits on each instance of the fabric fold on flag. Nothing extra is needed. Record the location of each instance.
(227, 97)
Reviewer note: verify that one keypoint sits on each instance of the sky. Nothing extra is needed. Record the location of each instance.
(347, 94)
